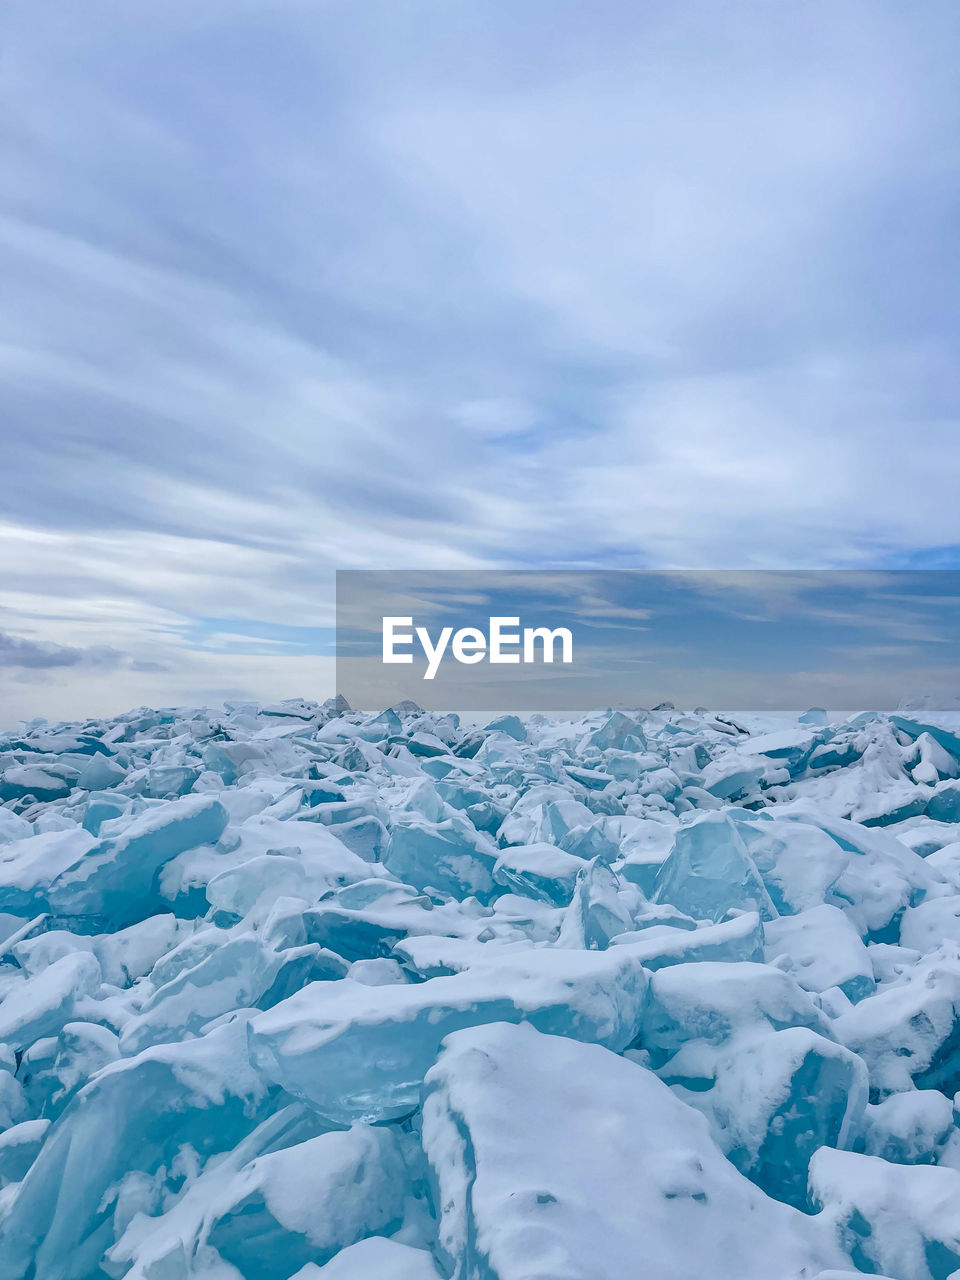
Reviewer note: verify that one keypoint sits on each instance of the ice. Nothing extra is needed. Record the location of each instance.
(907, 1032)
(746, 1046)
(908, 1128)
(19, 1146)
(40, 1005)
(359, 1052)
(709, 871)
(234, 976)
(450, 856)
(540, 871)
(900, 1219)
(373, 1259)
(311, 1199)
(597, 912)
(800, 864)
(18, 781)
(816, 715)
(778, 1098)
(13, 828)
(113, 879)
(101, 774)
(821, 949)
(553, 1158)
(740, 938)
(134, 1115)
(944, 804)
(879, 876)
(296, 991)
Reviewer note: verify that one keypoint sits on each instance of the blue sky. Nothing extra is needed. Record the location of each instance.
(305, 286)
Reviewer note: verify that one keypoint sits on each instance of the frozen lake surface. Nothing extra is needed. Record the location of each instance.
(291, 991)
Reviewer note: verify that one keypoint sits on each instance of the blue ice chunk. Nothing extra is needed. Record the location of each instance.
(778, 1098)
(540, 871)
(72, 874)
(82, 1048)
(730, 941)
(305, 1202)
(880, 877)
(298, 967)
(19, 1147)
(552, 1158)
(13, 827)
(709, 871)
(714, 1002)
(366, 836)
(131, 953)
(41, 1005)
(908, 1032)
(901, 1219)
(592, 779)
(322, 791)
(619, 731)
(835, 754)
(596, 913)
(134, 1115)
(914, 728)
(387, 722)
(423, 744)
(630, 766)
(450, 857)
(944, 803)
(358, 1052)
(511, 725)
(733, 777)
(790, 747)
(821, 949)
(908, 1128)
(103, 808)
(799, 863)
(101, 774)
(18, 781)
(651, 914)
(161, 1221)
(14, 1108)
(234, 976)
(169, 780)
(373, 1259)
(591, 841)
(931, 923)
(815, 715)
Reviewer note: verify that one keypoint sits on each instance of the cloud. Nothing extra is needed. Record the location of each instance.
(293, 288)
(39, 655)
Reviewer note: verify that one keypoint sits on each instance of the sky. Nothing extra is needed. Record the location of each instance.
(309, 285)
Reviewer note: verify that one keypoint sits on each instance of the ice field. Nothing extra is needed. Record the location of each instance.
(290, 991)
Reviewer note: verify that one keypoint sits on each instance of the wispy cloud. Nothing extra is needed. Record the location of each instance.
(40, 655)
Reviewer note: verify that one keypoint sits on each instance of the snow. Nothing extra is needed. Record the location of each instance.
(297, 993)
(553, 1158)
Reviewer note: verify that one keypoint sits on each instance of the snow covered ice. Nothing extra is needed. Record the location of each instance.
(297, 993)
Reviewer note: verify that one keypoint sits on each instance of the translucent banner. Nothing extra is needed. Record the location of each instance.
(477, 641)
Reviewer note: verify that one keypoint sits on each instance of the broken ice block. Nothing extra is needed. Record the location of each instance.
(553, 1158)
(305, 1202)
(359, 1052)
(820, 949)
(900, 1219)
(449, 856)
(709, 870)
